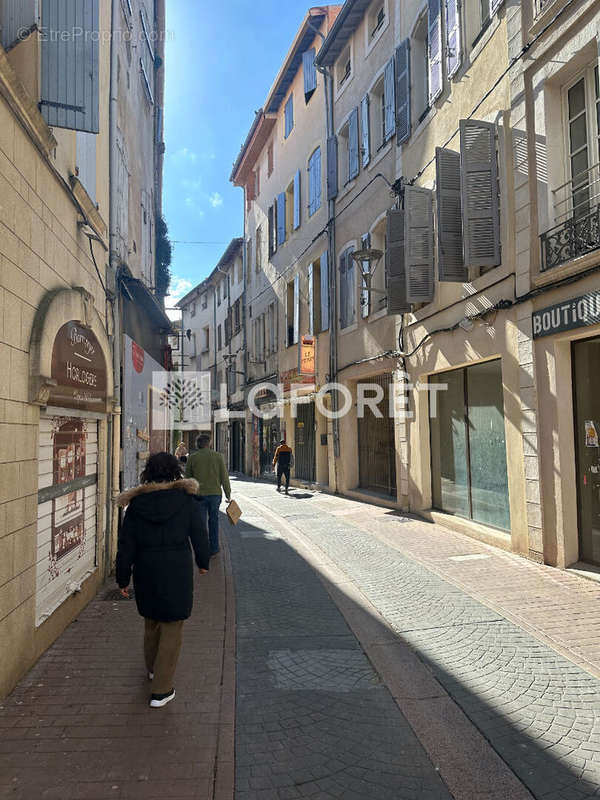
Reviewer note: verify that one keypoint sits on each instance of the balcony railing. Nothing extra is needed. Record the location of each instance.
(577, 207)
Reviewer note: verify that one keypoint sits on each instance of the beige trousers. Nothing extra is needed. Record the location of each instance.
(162, 644)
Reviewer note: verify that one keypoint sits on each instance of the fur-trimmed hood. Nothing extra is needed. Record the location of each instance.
(188, 485)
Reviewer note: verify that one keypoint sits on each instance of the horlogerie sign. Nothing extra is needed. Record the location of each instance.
(575, 313)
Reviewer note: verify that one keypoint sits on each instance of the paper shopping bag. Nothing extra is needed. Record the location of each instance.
(234, 512)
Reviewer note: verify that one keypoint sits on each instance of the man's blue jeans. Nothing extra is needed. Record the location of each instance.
(209, 504)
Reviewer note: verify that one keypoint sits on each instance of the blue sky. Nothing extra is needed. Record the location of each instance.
(221, 59)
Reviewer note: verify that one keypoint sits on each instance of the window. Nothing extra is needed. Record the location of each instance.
(582, 114)
(219, 294)
(204, 301)
(377, 113)
(349, 148)
(193, 309)
(147, 58)
(310, 73)
(314, 182)
(347, 289)
(86, 161)
(273, 328)
(225, 287)
(468, 450)
(205, 340)
(420, 71)
(257, 182)
(219, 338)
(272, 229)
(377, 299)
(259, 247)
(289, 116)
(343, 67)
(376, 20)
(318, 295)
(237, 316)
(293, 311)
(289, 209)
(270, 159)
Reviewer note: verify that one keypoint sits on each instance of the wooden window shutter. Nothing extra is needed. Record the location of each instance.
(70, 65)
(453, 40)
(418, 244)
(394, 263)
(310, 73)
(280, 218)
(296, 309)
(353, 146)
(365, 295)
(365, 130)
(311, 298)
(479, 192)
(324, 291)
(403, 92)
(434, 44)
(332, 167)
(389, 100)
(289, 116)
(297, 206)
(16, 16)
(451, 264)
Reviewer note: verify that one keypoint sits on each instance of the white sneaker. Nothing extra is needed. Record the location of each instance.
(159, 700)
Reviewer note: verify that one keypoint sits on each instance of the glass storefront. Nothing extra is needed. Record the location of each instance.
(468, 447)
(586, 366)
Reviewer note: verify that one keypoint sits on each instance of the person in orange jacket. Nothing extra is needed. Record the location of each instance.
(283, 462)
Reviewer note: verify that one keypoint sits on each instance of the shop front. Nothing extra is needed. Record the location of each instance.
(376, 444)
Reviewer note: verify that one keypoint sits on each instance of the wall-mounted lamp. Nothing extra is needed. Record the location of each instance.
(367, 261)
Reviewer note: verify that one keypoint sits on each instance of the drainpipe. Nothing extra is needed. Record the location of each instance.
(244, 329)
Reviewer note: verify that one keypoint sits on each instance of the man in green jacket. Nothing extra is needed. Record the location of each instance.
(208, 468)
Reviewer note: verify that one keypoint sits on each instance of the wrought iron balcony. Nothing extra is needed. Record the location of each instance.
(577, 206)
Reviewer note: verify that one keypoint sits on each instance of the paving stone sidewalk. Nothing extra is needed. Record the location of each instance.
(538, 709)
(79, 727)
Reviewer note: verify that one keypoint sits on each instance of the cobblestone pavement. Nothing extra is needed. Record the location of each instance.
(538, 709)
(312, 717)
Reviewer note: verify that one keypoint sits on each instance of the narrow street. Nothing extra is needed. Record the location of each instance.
(336, 649)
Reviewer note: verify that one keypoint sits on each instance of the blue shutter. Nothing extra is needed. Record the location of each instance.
(16, 18)
(311, 300)
(353, 165)
(453, 40)
(317, 157)
(310, 73)
(296, 309)
(297, 206)
(403, 92)
(324, 292)
(70, 65)
(314, 182)
(389, 100)
(280, 218)
(365, 130)
(289, 115)
(434, 44)
(332, 168)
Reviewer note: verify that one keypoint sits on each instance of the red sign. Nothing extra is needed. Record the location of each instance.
(137, 356)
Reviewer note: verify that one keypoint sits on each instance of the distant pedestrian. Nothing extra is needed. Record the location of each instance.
(283, 462)
(208, 468)
(161, 521)
(181, 453)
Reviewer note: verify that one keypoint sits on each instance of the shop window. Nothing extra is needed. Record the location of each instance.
(468, 449)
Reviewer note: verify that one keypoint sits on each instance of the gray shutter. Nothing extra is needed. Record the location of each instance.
(495, 5)
(389, 100)
(280, 218)
(434, 44)
(451, 265)
(403, 91)
(418, 244)
(296, 308)
(297, 206)
(16, 17)
(365, 305)
(343, 290)
(271, 216)
(70, 64)
(479, 192)
(310, 73)
(311, 301)
(317, 179)
(365, 129)
(85, 148)
(353, 160)
(453, 40)
(394, 263)
(332, 168)
(324, 291)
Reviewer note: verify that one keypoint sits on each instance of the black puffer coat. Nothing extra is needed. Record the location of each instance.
(160, 522)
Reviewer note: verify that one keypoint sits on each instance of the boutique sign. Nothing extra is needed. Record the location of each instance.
(79, 369)
(575, 313)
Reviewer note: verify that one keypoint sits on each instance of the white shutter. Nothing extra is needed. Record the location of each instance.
(434, 43)
(365, 295)
(403, 91)
(343, 291)
(365, 130)
(86, 161)
(389, 100)
(353, 145)
(479, 192)
(394, 263)
(453, 40)
(324, 291)
(296, 308)
(451, 264)
(418, 244)
(70, 65)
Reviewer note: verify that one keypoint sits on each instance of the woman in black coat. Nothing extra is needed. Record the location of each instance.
(161, 521)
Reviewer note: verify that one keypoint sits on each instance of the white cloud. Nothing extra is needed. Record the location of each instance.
(178, 289)
(184, 155)
(215, 200)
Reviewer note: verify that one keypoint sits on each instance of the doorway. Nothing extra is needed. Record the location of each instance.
(304, 443)
(586, 401)
(376, 445)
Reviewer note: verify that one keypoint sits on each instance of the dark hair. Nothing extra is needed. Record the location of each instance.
(203, 440)
(161, 468)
